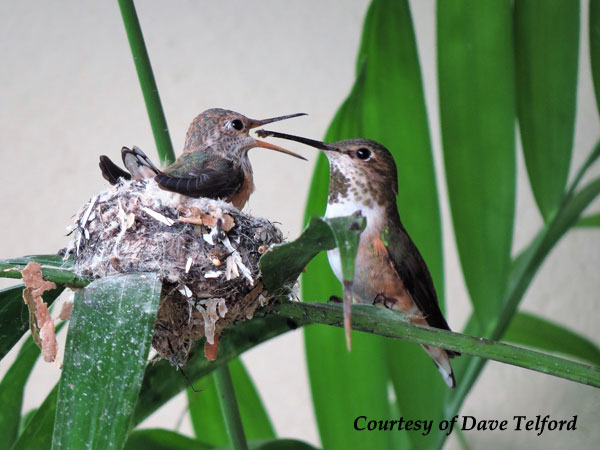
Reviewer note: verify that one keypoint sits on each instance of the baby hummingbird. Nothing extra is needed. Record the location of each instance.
(389, 269)
(214, 162)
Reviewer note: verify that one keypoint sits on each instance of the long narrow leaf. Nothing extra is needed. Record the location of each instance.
(592, 221)
(205, 413)
(546, 48)
(279, 444)
(11, 392)
(522, 275)
(159, 439)
(26, 420)
(284, 263)
(106, 353)
(337, 377)
(477, 109)
(533, 331)
(162, 382)
(589, 162)
(387, 105)
(207, 416)
(394, 114)
(594, 24)
(325, 346)
(229, 408)
(53, 269)
(38, 433)
(524, 269)
(12, 387)
(257, 424)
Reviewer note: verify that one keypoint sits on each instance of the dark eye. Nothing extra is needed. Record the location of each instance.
(363, 153)
(237, 124)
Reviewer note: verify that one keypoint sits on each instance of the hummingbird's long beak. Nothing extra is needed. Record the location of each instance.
(263, 144)
(260, 123)
(290, 137)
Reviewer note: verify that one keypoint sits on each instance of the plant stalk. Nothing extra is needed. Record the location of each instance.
(147, 82)
(229, 406)
(392, 324)
(163, 382)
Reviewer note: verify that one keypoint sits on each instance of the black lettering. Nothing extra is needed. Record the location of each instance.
(356, 423)
(464, 425)
(494, 424)
(427, 424)
(518, 419)
(401, 423)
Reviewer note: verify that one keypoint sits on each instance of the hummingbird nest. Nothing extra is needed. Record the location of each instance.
(206, 252)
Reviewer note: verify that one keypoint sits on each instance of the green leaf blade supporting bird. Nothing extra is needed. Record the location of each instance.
(389, 269)
(214, 162)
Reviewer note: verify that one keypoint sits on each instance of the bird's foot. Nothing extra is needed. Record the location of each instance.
(382, 300)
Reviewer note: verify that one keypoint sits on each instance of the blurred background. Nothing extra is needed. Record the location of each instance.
(70, 93)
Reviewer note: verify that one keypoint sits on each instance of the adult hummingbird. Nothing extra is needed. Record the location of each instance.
(389, 269)
(214, 162)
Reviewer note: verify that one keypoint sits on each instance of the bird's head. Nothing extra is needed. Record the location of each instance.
(360, 168)
(228, 132)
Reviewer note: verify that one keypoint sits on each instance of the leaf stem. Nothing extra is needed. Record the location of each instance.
(229, 406)
(147, 82)
(392, 324)
(161, 382)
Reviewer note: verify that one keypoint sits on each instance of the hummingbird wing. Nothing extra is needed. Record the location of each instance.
(138, 164)
(199, 174)
(413, 272)
(110, 171)
(135, 160)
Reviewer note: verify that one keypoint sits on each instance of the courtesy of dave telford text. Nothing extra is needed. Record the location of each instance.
(538, 424)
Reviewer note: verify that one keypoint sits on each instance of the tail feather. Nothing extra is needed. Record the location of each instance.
(110, 171)
(441, 359)
(138, 164)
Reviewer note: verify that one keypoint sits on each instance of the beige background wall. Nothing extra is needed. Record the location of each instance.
(69, 93)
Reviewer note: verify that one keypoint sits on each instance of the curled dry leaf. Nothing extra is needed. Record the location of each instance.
(40, 322)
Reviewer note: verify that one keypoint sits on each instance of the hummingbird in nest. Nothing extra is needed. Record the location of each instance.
(389, 270)
(214, 162)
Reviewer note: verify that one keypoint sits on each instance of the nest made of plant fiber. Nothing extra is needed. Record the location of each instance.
(206, 252)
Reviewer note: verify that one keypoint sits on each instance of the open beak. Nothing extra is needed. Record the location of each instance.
(260, 123)
(290, 137)
(263, 144)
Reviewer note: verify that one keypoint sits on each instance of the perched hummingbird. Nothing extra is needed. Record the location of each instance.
(389, 269)
(214, 162)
